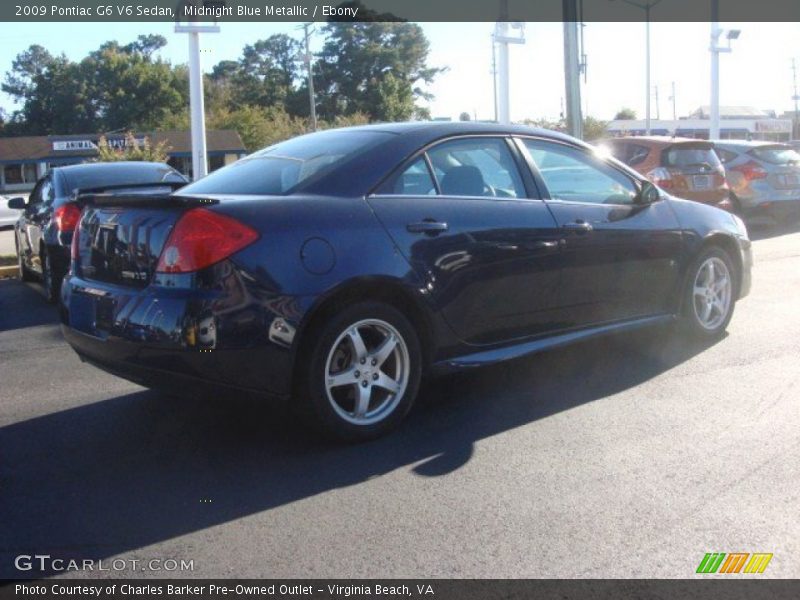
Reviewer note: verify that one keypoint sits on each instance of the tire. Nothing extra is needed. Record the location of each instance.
(736, 205)
(22, 271)
(363, 409)
(51, 278)
(709, 294)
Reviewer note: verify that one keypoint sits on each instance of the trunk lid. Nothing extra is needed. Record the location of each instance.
(121, 237)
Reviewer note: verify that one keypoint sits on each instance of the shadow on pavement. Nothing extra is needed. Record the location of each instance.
(764, 232)
(23, 305)
(130, 471)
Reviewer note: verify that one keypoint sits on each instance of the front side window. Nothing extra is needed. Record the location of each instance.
(476, 167)
(573, 175)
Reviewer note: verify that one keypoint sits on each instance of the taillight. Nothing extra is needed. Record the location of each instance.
(67, 217)
(751, 170)
(661, 177)
(202, 238)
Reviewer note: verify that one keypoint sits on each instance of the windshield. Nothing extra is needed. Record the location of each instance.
(777, 155)
(280, 168)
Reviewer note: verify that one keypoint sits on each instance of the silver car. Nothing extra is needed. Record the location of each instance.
(764, 178)
(8, 216)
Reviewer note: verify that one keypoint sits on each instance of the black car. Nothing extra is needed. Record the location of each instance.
(338, 267)
(43, 233)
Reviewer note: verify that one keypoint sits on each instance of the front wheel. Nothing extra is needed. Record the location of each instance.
(363, 375)
(708, 300)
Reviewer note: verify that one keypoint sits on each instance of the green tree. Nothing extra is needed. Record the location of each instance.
(114, 87)
(464, 116)
(593, 129)
(132, 150)
(375, 68)
(625, 114)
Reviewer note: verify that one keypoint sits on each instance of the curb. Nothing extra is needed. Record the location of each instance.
(10, 271)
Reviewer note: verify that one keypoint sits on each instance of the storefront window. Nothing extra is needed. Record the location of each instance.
(20, 173)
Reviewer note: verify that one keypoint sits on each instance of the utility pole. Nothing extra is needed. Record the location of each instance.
(572, 68)
(795, 125)
(658, 109)
(312, 99)
(674, 112)
(196, 102)
(494, 77)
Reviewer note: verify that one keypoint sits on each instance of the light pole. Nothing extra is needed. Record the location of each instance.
(646, 7)
(503, 37)
(716, 50)
(196, 102)
(307, 59)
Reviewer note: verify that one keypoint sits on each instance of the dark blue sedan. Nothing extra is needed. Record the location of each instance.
(338, 267)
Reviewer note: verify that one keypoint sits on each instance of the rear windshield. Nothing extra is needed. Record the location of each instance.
(279, 169)
(690, 156)
(777, 155)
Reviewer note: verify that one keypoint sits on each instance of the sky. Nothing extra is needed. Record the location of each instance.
(756, 73)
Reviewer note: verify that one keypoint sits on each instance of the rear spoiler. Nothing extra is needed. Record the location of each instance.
(143, 200)
(104, 196)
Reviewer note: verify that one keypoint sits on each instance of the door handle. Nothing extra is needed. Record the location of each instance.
(427, 226)
(579, 226)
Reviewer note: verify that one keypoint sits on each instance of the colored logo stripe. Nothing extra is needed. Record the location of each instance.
(713, 562)
(758, 562)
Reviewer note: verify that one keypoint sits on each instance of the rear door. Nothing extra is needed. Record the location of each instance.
(486, 247)
(620, 258)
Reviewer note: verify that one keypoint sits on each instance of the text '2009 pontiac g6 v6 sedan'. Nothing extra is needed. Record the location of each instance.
(338, 267)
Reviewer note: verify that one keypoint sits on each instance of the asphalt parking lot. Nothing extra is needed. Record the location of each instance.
(630, 456)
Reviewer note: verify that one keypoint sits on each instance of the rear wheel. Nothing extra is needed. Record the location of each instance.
(51, 278)
(363, 374)
(708, 300)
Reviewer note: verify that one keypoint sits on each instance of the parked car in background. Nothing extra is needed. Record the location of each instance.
(8, 216)
(683, 167)
(764, 177)
(43, 233)
(336, 267)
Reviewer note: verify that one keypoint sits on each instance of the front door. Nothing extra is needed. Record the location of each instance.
(620, 257)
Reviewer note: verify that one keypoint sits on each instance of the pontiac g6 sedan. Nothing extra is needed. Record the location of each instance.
(338, 267)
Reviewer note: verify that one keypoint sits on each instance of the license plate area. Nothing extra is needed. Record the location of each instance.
(104, 314)
(701, 182)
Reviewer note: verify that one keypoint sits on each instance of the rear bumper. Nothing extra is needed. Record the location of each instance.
(180, 339)
(777, 210)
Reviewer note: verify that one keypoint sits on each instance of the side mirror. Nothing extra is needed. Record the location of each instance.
(17, 203)
(648, 194)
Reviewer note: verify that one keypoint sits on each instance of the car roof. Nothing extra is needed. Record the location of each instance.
(747, 143)
(99, 174)
(654, 141)
(439, 129)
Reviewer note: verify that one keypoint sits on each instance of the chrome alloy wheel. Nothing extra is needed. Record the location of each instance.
(712, 293)
(367, 371)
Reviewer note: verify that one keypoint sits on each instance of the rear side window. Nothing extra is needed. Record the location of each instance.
(725, 156)
(279, 169)
(416, 180)
(777, 155)
(476, 167)
(690, 156)
(629, 153)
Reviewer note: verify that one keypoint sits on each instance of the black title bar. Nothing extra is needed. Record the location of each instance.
(221, 11)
